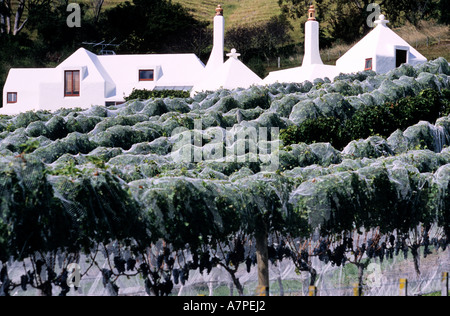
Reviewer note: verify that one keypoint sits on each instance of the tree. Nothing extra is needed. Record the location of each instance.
(49, 20)
(231, 254)
(411, 11)
(444, 13)
(267, 211)
(7, 11)
(146, 26)
(96, 6)
(263, 40)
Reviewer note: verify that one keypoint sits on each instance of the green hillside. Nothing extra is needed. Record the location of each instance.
(236, 12)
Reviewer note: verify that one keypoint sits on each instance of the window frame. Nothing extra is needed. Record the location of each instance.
(371, 64)
(113, 103)
(142, 70)
(403, 51)
(72, 94)
(11, 94)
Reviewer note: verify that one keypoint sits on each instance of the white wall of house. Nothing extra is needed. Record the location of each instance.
(26, 83)
(92, 91)
(171, 72)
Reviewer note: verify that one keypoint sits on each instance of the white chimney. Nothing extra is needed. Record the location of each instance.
(312, 54)
(216, 58)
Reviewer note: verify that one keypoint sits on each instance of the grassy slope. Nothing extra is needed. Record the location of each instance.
(236, 12)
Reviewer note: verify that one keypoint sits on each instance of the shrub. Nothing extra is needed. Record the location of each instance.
(322, 129)
(144, 94)
(368, 121)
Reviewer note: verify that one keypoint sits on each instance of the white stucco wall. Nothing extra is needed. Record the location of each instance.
(92, 90)
(26, 83)
(302, 74)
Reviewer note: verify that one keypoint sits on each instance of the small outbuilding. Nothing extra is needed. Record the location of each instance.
(230, 75)
(381, 51)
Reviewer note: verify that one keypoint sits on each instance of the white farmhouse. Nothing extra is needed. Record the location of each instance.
(381, 51)
(312, 66)
(85, 79)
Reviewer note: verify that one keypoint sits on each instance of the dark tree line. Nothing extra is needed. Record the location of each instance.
(259, 43)
(153, 26)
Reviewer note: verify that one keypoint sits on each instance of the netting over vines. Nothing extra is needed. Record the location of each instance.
(176, 193)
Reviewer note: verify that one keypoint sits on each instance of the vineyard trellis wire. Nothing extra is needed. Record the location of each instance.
(381, 278)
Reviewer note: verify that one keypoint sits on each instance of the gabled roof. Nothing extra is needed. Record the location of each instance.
(230, 75)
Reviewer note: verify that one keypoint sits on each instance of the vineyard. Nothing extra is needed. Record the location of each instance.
(287, 182)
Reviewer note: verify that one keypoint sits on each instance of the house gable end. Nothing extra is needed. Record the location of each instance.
(91, 68)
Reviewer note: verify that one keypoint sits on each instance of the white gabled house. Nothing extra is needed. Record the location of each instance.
(381, 51)
(85, 79)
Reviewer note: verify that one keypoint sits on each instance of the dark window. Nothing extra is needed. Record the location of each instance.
(11, 97)
(146, 75)
(401, 57)
(72, 83)
(113, 103)
(368, 65)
